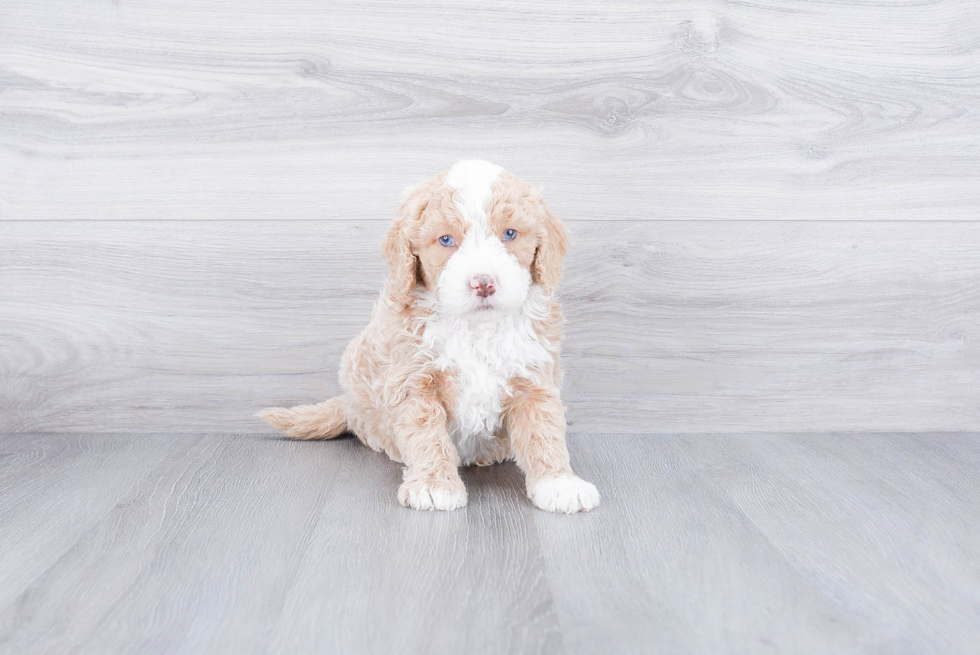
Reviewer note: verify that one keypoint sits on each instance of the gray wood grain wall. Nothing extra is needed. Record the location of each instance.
(774, 205)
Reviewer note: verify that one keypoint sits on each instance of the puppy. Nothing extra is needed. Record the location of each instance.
(460, 363)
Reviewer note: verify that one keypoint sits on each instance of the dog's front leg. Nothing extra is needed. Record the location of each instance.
(431, 462)
(535, 421)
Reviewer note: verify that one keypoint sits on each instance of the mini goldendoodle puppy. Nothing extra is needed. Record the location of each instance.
(460, 363)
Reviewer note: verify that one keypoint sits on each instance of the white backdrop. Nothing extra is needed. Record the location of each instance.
(773, 208)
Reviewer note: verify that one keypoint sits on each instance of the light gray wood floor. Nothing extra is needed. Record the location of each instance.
(748, 543)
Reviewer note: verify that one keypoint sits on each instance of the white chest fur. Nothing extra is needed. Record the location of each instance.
(483, 358)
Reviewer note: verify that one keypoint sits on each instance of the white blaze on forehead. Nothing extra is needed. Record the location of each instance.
(473, 179)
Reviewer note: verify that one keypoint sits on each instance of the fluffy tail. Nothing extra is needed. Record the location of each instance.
(324, 420)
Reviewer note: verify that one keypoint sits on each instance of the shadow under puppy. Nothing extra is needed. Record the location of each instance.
(460, 363)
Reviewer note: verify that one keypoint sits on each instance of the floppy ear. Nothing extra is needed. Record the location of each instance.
(552, 246)
(397, 246)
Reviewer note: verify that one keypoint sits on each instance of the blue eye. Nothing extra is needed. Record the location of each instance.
(447, 241)
(510, 235)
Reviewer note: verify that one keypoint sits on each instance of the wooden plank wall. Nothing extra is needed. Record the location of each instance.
(774, 205)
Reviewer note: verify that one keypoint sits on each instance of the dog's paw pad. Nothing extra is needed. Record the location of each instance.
(567, 494)
(423, 496)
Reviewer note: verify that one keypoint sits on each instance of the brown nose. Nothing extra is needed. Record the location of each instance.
(483, 285)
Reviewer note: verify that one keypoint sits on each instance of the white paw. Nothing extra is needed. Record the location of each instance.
(419, 495)
(568, 494)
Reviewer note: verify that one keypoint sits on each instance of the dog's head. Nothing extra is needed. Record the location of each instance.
(477, 238)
